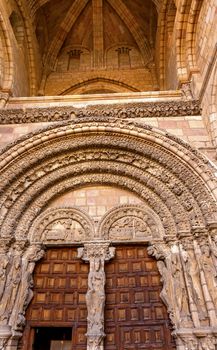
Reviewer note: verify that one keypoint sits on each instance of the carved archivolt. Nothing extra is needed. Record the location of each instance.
(62, 225)
(174, 181)
(155, 168)
(130, 223)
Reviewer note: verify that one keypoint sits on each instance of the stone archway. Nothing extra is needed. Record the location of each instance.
(174, 181)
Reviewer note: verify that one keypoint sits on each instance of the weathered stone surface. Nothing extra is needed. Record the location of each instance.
(96, 253)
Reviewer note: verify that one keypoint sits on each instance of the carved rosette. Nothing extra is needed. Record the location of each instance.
(96, 253)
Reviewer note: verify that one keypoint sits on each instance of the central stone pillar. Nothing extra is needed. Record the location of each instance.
(96, 253)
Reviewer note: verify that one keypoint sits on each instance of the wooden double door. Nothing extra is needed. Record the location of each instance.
(135, 317)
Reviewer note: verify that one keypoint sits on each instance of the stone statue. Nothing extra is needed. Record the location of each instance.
(210, 272)
(194, 283)
(181, 299)
(4, 262)
(166, 292)
(96, 254)
(173, 294)
(95, 296)
(25, 293)
(12, 282)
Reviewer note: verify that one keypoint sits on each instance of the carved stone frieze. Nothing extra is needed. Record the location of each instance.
(130, 222)
(36, 115)
(130, 110)
(62, 225)
(143, 110)
(96, 253)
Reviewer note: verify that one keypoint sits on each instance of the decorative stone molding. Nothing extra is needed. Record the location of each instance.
(36, 115)
(125, 111)
(62, 225)
(143, 110)
(96, 253)
(166, 183)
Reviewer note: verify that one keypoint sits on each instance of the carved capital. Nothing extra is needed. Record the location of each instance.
(96, 250)
(159, 250)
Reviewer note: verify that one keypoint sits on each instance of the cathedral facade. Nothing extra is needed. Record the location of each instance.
(108, 191)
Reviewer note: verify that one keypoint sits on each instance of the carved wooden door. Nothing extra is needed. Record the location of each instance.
(135, 316)
(60, 286)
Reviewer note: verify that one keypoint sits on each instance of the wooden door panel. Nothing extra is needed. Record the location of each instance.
(135, 316)
(60, 286)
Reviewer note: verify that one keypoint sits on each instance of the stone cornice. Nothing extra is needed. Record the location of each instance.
(123, 111)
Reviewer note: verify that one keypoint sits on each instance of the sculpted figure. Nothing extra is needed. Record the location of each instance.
(193, 276)
(96, 254)
(209, 271)
(173, 294)
(4, 262)
(180, 291)
(167, 292)
(95, 296)
(12, 282)
(25, 293)
(213, 246)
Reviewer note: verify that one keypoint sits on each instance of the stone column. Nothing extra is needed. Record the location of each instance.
(4, 96)
(96, 253)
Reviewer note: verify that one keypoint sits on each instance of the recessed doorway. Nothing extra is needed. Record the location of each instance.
(52, 338)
